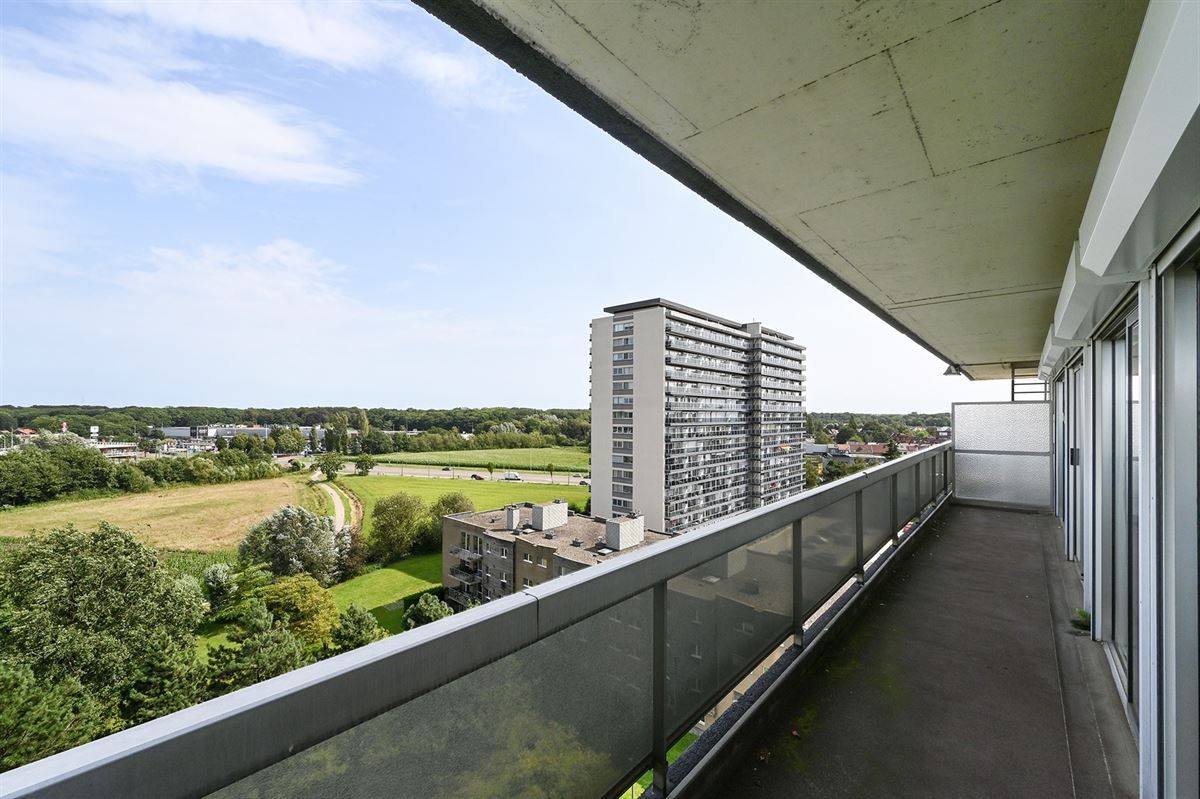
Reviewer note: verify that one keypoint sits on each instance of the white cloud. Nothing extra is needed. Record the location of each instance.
(346, 35)
(143, 122)
(110, 95)
(212, 323)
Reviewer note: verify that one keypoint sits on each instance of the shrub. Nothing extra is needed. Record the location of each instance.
(128, 477)
(356, 627)
(426, 609)
(307, 609)
(291, 541)
(399, 521)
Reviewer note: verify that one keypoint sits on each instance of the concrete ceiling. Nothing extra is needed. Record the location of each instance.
(930, 159)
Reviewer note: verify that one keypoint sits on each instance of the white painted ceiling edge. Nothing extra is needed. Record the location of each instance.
(1160, 100)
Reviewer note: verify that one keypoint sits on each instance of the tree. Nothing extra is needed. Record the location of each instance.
(39, 717)
(364, 425)
(305, 607)
(837, 469)
(491, 468)
(293, 540)
(446, 504)
(377, 442)
(893, 451)
(220, 585)
(847, 432)
(550, 468)
(822, 437)
(99, 608)
(812, 472)
(263, 648)
(330, 463)
(356, 627)
(363, 465)
(314, 439)
(427, 608)
(398, 520)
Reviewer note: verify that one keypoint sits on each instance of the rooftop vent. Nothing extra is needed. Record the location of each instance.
(711, 579)
(576, 542)
(547, 535)
(605, 551)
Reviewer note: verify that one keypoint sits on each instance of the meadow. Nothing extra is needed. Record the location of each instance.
(201, 519)
(566, 460)
(484, 493)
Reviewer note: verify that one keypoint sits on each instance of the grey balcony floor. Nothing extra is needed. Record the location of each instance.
(962, 677)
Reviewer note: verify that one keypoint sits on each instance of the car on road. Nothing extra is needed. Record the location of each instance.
(511, 476)
(477, 477)
(583, 482)
(445, 468)
(577, 475)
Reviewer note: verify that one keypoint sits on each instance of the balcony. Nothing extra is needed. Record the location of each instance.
(465, 576)
(465, 555)
(950, 671)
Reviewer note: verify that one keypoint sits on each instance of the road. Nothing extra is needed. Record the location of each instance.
(465, 474)
(339, 509)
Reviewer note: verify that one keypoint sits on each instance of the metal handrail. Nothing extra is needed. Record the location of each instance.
(203, 748)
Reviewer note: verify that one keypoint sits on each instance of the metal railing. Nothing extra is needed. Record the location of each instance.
(616, 661)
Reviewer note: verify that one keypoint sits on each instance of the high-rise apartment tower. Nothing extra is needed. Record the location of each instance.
(694, 417)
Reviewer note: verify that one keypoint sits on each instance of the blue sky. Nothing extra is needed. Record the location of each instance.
(287, 204)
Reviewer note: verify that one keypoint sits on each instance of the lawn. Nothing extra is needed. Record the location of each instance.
(565, 459)
(484, 493)
(386, 590)
(195, 518)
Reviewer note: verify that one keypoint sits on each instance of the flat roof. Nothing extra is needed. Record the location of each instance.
(586, 529)
(659, 302)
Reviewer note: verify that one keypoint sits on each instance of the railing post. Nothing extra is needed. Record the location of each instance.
(917, 488)
(895, 517)
(798, 608)
(860, 574)
(658, 721)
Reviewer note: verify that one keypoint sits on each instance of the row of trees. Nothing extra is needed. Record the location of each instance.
(133, 422)
(871, 427)
(56, 465)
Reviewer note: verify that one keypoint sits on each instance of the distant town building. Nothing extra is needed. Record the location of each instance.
(694, 417)
(117, 450)
(493, 553)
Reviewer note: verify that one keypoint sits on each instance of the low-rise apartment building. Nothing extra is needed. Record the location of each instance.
(493, 553)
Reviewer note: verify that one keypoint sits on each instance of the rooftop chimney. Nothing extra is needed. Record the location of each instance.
(512, 517)
(547, 517)
(624, 532)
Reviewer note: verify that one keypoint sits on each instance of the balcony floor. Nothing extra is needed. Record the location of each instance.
(962, 677)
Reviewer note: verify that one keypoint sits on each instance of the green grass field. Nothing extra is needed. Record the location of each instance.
(485, 494)
(566, 460)
(384, 591)
(387, 590)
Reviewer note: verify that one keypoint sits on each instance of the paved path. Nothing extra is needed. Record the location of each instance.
(461, 473)
(339, 509)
